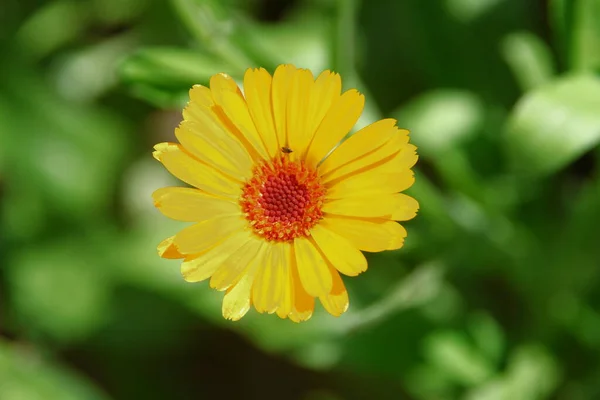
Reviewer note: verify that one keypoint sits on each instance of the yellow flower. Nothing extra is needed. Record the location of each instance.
(278, 218)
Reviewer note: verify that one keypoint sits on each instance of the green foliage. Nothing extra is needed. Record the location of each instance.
(493, 297)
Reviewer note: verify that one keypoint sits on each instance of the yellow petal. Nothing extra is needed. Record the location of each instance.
(282, 82)
(394, 152)
(381, 206)
(236, 265)
(201, 266)
(338, 121)
(257, 91)
(371, 235)
(166, 249)
(358, 145)
(298, 135)
(205, 234)
(188, 204)
(326, 90)
(208, 141)
(234, 106)
(236, 302)
(336, 303)
(201, 96)
(195, 173)
(304, 304)
(372, 183)
(205, 113)
(285, 305)
(269, 283)
(312, 268)
(406, 207)
(222, 81)
(339, 251)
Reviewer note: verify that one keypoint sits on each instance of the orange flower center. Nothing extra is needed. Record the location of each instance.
(283, 200)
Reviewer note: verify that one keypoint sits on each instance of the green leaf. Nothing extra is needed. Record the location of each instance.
(440, 120)
(419, 288)
(52, 26)
(487, 335)
(554, 125)
(451, 353)
(561, 18)
(471, 10)
(302, 42)
(213, 26)
(532, 373)
(586, 35)
(529, 58)
(24, 375)
(169, 67)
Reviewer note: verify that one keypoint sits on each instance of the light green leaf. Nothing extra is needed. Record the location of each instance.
(487, 335)
(52, 26)
(470, 10)
(87, 73)
(440, 120)
(529, 58)
(451, 353)
(532, 373)
(169, 67)
(302, 42)
(554, 125)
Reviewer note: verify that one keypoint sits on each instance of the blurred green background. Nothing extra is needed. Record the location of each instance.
(494, 296)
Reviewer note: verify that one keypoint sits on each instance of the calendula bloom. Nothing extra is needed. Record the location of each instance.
(276, 217)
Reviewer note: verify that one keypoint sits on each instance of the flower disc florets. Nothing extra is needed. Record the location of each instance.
(283, 200)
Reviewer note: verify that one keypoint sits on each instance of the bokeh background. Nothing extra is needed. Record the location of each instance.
(495, 296)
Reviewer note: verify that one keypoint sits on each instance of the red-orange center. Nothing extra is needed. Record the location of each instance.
(283, 200)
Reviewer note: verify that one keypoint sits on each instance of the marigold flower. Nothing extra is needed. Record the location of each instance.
(278, 218)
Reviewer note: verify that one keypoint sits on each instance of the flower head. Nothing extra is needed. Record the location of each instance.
(277, 214)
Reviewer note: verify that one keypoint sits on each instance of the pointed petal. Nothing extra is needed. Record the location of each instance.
(304, 304)
(228, 97)
(312, 268)
(269, 283)
(358, 145)
(286, 303)
(406, 207)
(326, 90)
(200, 96)
(394, 153)
(282, 82)
(257, 90)
(365, 206)
(371, 235)
(299, 96)
(193, 172)
(235, 266)
(339, 251)
(166, 249)
(236, 302)
(190, 205)
(336, 303)
(211, 144)
(200, 266)
(338, 121)
(206, 234)
(372, 183)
